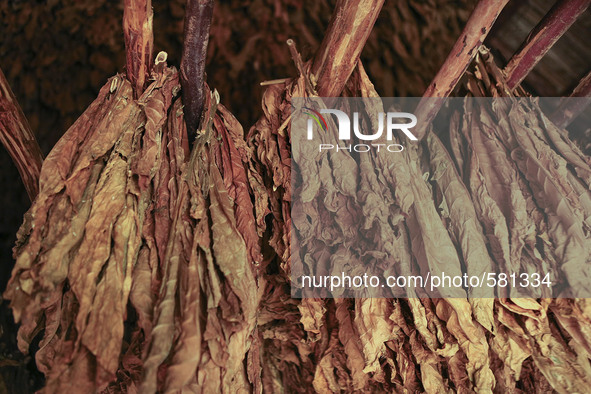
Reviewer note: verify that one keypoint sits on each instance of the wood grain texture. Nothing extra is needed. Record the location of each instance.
(463, 52)
(568, 110)
(347, 33)
(198, 16)
(139, 42)
(556, 22)
(19, 140)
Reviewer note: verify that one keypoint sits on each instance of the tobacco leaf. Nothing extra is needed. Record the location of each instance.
(348, 336)
(502, 181)
(567, 149)
(231, 259)
(465, 226)
(374, 327)
(235, 156)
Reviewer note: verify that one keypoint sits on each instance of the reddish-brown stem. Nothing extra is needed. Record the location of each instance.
(458, 60)
(349, 28)
(139, 42)
(299, 63)
(574, 105)
(557, 21)
(198, 16)
(583, 88)
(19, 140)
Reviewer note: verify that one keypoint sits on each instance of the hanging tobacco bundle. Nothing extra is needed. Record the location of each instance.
(135, 266)
(530, 186)
(365, 344)
(514, 197)
(132, 252)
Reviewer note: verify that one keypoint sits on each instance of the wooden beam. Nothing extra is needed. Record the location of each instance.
(574, 105)
(347, 33)
(139, 42)
(198, 14)
(554, 24)
(19, 140)
(463, 52)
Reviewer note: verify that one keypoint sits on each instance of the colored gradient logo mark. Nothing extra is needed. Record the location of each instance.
(318, 118)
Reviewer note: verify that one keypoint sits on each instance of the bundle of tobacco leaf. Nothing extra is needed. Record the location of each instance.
(364, 344)
(520, 196)
(135, 265)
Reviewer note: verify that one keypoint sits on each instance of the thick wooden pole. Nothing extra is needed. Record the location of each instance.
(139, 42)
(198, 14)
(556, 22)
(569, 108)
(19, 140)
(458, 60)
(345, 37)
